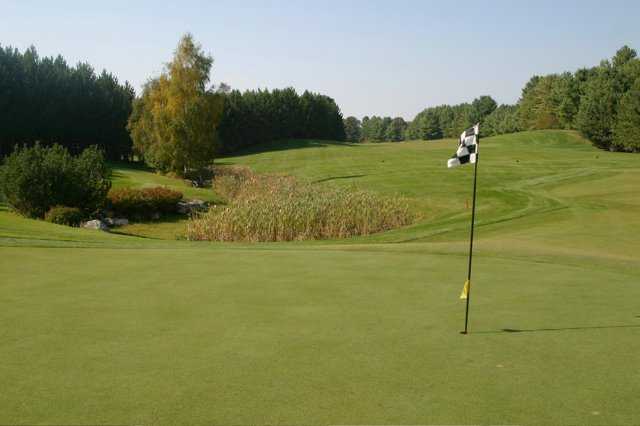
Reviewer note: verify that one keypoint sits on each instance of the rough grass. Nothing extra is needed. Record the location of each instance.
(100, 328)
(130, 176)
(281, 208)
(140, 177)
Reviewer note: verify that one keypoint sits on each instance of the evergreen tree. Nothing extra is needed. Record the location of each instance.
(538, 107)
(258, 117)
(44, 99)
(482, 107)
(625, 131)
(503, 120)
(597, 111)
(395, 130)
(566, 97)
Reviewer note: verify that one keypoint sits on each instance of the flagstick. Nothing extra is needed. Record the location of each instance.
(473, 219)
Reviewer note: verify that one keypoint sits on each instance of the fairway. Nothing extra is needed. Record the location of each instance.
(100, 328)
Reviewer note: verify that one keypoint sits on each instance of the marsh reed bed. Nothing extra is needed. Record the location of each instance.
(282, 208)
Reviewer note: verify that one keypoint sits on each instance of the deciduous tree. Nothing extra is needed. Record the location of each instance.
(175, 120)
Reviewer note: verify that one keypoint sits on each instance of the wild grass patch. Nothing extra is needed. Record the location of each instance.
(282, 208)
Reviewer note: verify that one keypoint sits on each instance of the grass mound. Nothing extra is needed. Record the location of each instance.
(281, 208)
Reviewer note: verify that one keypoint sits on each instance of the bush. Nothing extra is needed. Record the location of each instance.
(34, 179)
(143, 203)
(625, 130)
(279, 208)
(62, 215)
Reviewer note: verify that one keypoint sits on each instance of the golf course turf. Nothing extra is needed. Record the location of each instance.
(104, 328)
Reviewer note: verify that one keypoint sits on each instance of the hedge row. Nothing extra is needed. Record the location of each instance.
(143, 203)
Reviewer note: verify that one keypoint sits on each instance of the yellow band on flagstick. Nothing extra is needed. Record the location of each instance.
(465, 290)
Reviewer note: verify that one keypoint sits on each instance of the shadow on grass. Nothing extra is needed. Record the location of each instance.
(126, 234)
(168, 227)
(165, 218)
(284, 145)
(338, 178)
(137, 165)
(534, 330)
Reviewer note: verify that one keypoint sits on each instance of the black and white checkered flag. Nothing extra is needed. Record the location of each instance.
(467, 149)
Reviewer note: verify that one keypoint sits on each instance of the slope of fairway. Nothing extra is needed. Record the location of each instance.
(100, 328)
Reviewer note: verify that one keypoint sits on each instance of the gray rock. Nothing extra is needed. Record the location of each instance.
(191, 206)
(95, 224)
(117, 221)
(120, 221)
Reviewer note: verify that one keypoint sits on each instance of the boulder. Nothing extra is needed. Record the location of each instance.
(120, 221)
(95, 224)
(191, 206)
(200, 183)
(117, 221)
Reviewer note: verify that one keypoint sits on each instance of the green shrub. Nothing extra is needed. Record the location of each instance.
(62, 215)
(279, 208)
(625, 130)
(34, 179)
(143, 203)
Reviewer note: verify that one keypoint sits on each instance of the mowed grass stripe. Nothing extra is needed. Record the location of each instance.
(124, 330)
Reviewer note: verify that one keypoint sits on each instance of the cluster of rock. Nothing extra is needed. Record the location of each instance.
(183, 207)
(118, 221)
(192, 206)
(105, 223)
(95, 224)
(200, 183)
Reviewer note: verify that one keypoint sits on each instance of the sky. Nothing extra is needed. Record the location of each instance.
(389, 58)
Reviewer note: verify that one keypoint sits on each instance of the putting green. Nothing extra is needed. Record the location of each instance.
(102, 328)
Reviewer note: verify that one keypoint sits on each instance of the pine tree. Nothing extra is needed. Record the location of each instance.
(597, 111)
(625, 130)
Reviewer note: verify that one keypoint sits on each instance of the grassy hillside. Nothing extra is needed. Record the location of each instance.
(104, 328)
(126, 175)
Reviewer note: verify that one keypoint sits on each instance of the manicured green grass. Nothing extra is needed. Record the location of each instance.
(110, 329)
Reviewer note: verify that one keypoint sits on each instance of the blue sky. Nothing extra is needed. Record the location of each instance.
(385, 58)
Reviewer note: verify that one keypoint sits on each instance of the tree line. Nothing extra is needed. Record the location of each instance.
(44, 99)
(602, 102)
(443, 121)
(181, 121)
(256, 117)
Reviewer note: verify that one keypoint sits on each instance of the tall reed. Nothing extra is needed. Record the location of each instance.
(281, 208)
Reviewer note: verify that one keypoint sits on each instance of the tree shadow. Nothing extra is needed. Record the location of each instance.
(284, 145)
(133, 165)
(337, 178)
(534, 330)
